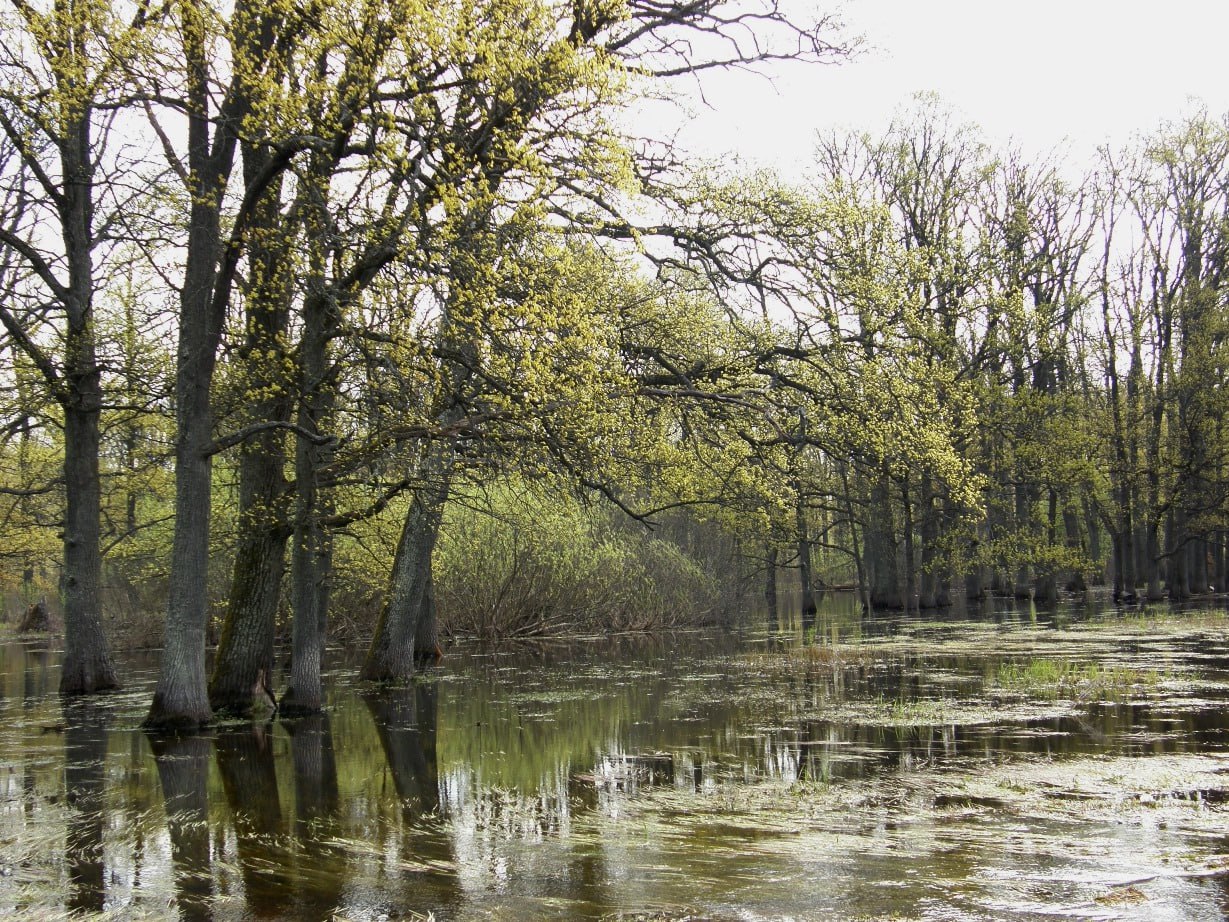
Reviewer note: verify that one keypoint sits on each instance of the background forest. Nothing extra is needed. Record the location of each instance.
(376, 318)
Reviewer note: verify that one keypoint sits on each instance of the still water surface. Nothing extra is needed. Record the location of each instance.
(856, 768)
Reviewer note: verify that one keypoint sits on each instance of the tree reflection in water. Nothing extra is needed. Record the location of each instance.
(183, 772)
(249, 779)
(85, 752)
(321, 864)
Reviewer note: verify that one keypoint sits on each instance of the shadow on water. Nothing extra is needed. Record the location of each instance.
(850, 766)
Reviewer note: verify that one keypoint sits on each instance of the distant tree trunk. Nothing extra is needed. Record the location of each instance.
(806, 577)
(881, 552)
(1047, 582)
(1022, 587)
(1078, 582)
(1220, 562)
(910, 557)
(770, 589)
(929, 591)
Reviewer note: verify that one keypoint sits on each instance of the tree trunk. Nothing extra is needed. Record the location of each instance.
(87, 663)
(181, 698)
(390, 657)
(770, 589)
(250, 623)
(806, 577)
(311, 556)
(881, 554)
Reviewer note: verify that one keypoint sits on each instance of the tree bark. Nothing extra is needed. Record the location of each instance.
(87, 663)
(181, 698)
(391, 655)
(250, 623)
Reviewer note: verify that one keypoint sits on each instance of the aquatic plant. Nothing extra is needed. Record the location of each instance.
(1062, 678)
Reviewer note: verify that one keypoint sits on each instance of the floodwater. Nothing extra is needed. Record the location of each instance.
(1008, 763)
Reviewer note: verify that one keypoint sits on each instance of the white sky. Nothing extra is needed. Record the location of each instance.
(1045, 72)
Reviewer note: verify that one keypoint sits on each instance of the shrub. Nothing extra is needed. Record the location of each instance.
(529, 564)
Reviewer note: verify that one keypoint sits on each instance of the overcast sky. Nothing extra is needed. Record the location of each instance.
(1040, 71)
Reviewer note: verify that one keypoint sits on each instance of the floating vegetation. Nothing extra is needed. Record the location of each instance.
(958, 770)
(1062, 678)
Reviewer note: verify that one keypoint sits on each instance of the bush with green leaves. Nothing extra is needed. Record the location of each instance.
(526, 563)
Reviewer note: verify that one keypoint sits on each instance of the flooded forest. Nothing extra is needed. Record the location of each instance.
(429, 492)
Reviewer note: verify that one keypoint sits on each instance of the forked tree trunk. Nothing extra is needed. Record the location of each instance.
(390, 657)
(245, 649)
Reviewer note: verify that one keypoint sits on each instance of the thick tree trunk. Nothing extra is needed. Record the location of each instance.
(245, 650)
(391, 655)
(87, 663)
(310, 566)
(181, 698)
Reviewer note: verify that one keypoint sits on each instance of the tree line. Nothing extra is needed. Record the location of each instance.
(323, 267)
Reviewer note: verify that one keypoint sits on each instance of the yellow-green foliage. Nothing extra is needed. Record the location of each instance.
(1058, 678)
(533, 561)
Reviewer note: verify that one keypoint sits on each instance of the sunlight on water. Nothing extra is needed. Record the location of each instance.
(1005, 763)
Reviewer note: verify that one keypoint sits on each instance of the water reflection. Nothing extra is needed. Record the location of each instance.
(85, 751)
(183, 773)
(245, 759)
(579, 780)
